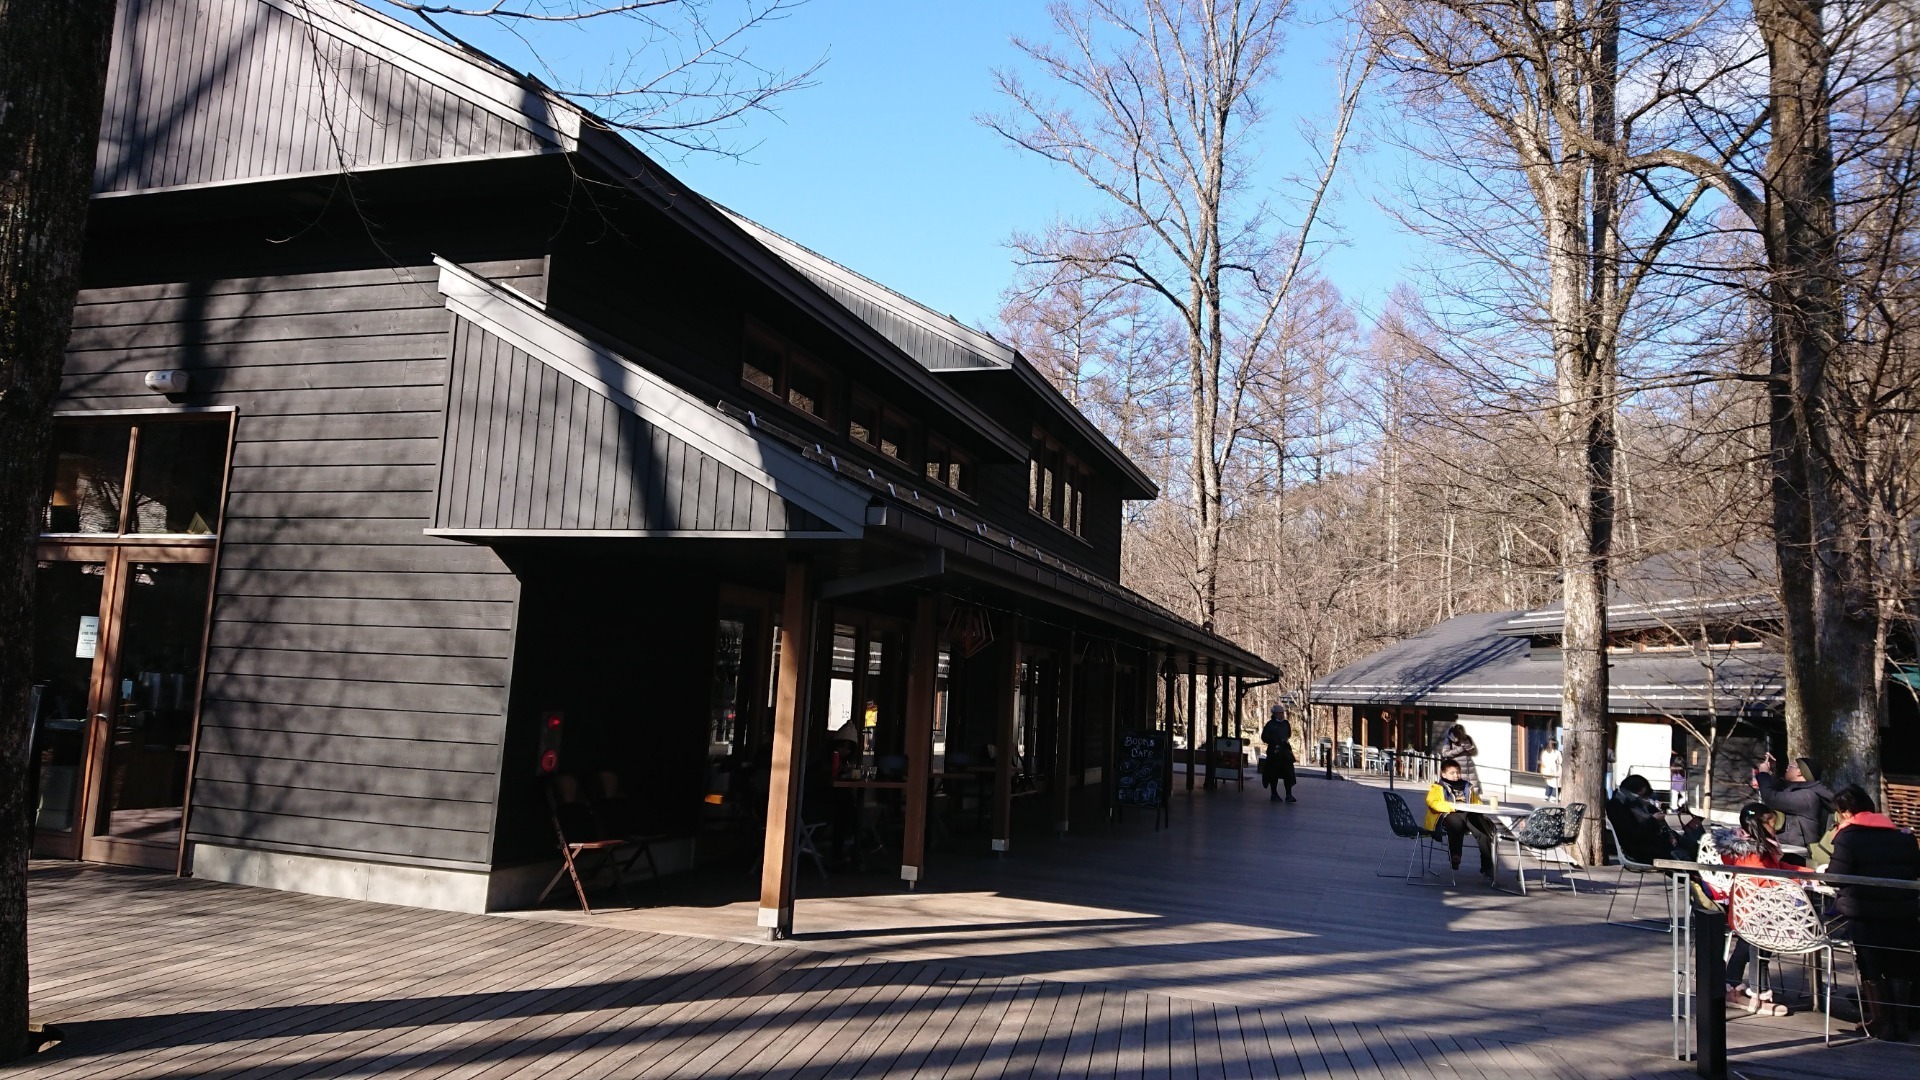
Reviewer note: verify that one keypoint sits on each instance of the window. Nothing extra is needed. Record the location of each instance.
(1056, 485)
(178, 468)
(778, 368)
(947, 466)
(872, 424)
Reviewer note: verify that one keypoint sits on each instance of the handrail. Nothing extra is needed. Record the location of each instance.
(1796, 875)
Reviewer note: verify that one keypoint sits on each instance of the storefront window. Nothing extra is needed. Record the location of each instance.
(179, 470)
(177, 478)
(89, 471)
(724, 710)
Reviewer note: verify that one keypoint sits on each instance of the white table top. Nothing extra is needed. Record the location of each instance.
(1501, 810)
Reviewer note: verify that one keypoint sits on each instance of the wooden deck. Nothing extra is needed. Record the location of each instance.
(1248, 940)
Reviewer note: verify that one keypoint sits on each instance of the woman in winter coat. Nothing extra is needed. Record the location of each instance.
(1884, 922)
(1458, 748)
(1752, 844)
(1800, 798)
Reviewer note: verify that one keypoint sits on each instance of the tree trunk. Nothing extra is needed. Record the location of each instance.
(1820, 534)
(53, 73)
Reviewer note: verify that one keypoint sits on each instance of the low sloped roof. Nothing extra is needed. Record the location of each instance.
(1471, 662)
(940, 343)
(1677, 589)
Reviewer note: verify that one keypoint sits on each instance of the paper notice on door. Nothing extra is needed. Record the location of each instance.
(89, 637)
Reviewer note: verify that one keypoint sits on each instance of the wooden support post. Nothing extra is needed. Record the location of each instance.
(1167, 673)
(1193, 709)
(1213, 695)
(1003, 753)
(922, 676)
(1063, 739)
(784, 782)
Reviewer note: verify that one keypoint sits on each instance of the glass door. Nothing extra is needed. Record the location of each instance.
(116, 685)
(66, 653)
(143, 733)
(124, 581)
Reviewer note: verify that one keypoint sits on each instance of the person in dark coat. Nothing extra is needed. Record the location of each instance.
(1277, 768)
(1801, 799)
(1884, 922)
(1458, 747)
(1644, 834)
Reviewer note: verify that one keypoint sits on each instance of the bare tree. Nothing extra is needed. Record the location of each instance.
(53, 74)
(683, 78)
(1531, 93)
(1163, 112)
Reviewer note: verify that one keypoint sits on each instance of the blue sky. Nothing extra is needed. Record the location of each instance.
(882, 166)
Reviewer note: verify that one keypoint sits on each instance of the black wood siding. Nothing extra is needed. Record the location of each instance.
(357, 668)
(211, 90)
(531, 448)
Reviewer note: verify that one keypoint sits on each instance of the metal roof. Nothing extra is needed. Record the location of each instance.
(1679, 589)
(1471, 662)
(940, 343)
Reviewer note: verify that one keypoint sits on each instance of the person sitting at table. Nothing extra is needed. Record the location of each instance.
(1752, 844)
(1883, 922)
(1445, 820)
(1644, 834)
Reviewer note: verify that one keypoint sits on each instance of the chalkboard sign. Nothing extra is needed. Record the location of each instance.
(1140, 773)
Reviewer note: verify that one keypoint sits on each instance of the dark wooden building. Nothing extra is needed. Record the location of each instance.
(408, 408)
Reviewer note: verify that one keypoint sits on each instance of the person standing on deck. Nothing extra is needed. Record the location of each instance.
(1277, 768)
(1459, 748)
(1550, 769)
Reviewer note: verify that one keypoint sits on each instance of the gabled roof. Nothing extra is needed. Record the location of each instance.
(1470, 662)
(220, 92)
(1680, 590)
(940, 343)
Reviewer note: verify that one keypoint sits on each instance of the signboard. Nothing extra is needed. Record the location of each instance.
(1140, 773)
(89, 639)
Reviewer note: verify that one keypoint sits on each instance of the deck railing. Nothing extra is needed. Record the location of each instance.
(1698, 943)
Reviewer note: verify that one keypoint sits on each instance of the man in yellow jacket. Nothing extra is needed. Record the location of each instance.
(1444, 819)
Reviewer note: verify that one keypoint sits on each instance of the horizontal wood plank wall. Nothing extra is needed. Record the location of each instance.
(531, 448)
(356, 673)
(219, 90)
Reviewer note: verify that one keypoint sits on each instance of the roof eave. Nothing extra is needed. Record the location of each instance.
(625, 163)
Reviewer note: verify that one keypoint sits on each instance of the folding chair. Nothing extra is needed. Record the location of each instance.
(617, 817)
(581, 846)
(1634, 921)
(1406, 827)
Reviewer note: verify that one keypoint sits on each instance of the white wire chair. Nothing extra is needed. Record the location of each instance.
(1775, 918)
(1628, 865)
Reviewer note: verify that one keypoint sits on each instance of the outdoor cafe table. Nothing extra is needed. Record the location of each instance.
(1500, 818)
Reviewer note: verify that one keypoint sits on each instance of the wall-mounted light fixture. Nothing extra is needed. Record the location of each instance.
(167, 382)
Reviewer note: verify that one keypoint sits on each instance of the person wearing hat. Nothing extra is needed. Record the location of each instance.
(1277, 768)
(1800, 798)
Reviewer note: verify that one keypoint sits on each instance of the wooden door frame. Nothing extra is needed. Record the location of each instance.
(71, 842)
(94, 845)
(116, 551)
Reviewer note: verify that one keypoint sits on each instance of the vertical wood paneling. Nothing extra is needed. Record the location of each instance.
(211, 90)
(529, 448)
